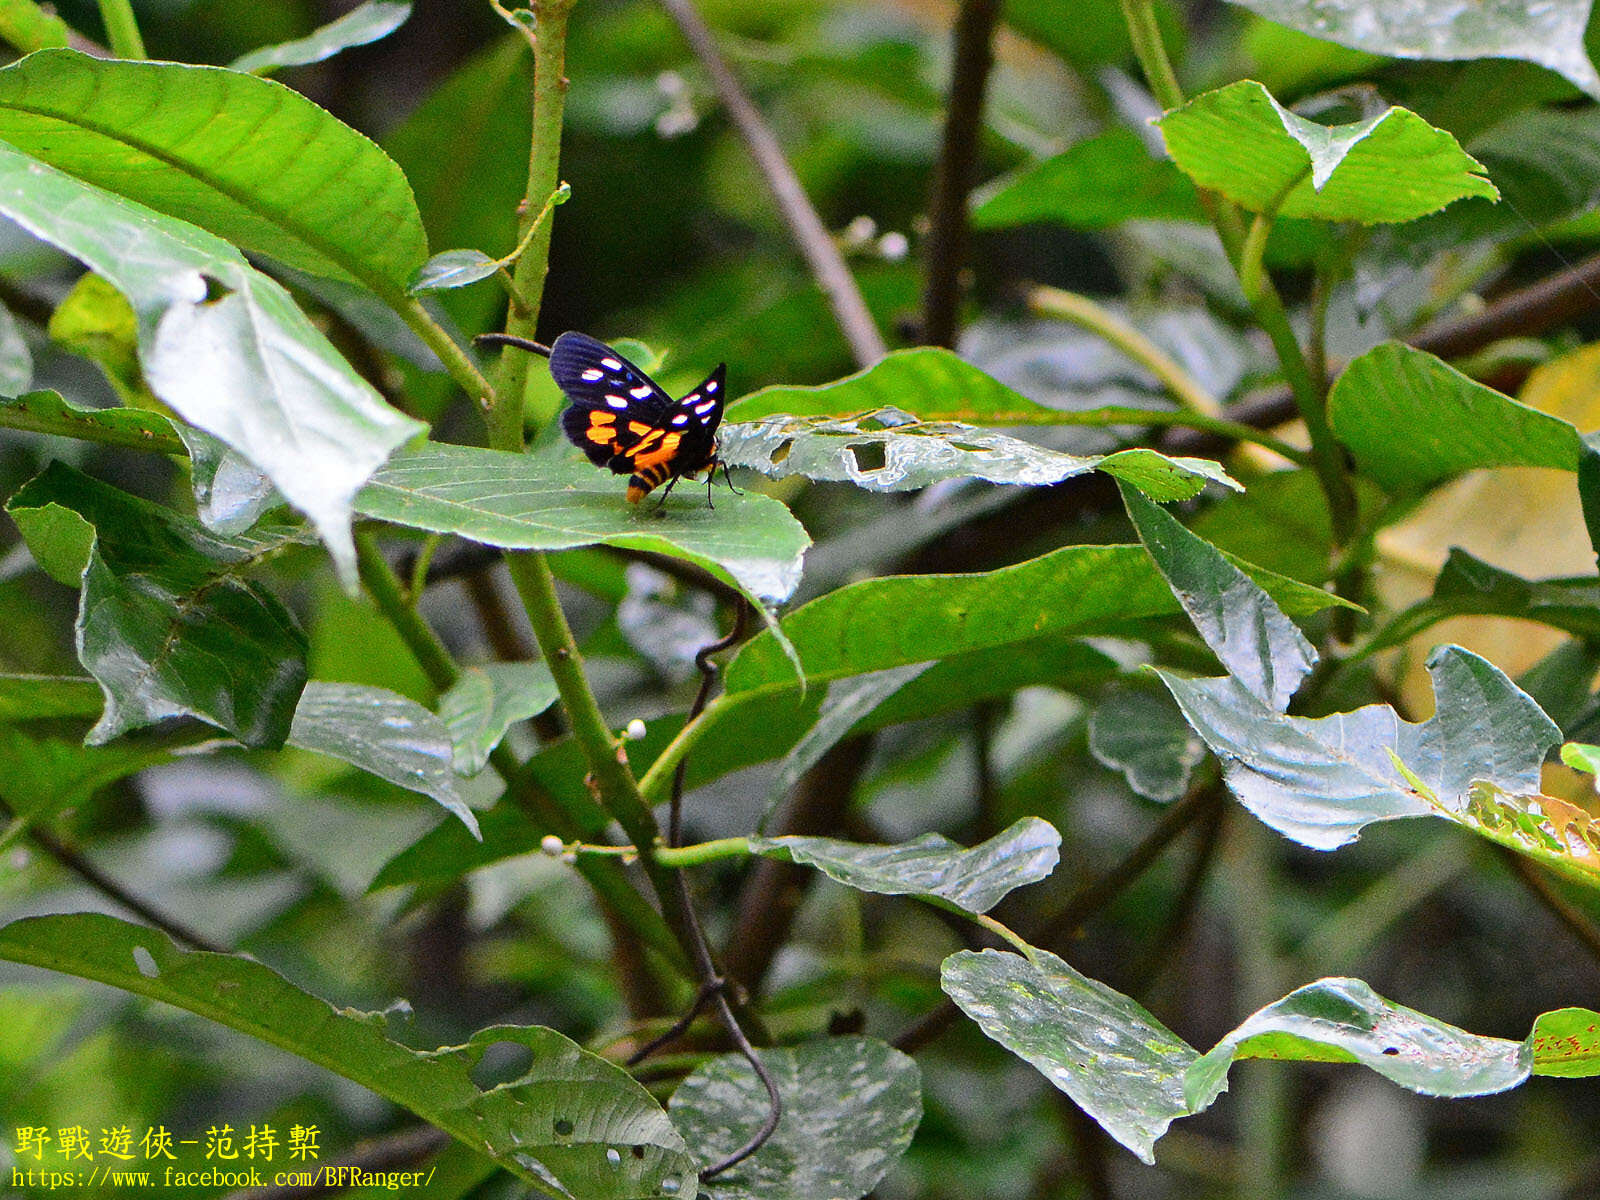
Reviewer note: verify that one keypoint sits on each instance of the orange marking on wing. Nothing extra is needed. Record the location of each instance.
(641, 427)
(602, 436)
(600, 417)
(659, 456)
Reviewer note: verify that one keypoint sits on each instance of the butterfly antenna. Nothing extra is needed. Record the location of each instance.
(506, 339)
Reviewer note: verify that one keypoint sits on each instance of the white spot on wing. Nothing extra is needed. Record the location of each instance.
(711, 385)
(593, 373)
(689, 399)
(611, 364)
(616, 402)
(681, 419)
(703, 409)
(640, 392)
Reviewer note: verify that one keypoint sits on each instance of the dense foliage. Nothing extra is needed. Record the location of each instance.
(1173, 645)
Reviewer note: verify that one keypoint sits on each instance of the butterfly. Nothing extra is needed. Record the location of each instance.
(622, 419)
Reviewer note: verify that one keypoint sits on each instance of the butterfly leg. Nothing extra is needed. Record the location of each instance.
(728, 479)
(671, 483)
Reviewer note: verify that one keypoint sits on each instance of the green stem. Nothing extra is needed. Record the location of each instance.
(1152, 53)
(504, 413)
(1265, 303)
(668, 856)
(610, 775)
(607, 879)
(1084, 312)
(121, 28)
(28, 27)
(456, 360)
(1005, 933)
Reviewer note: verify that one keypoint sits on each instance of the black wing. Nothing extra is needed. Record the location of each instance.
(696, 417)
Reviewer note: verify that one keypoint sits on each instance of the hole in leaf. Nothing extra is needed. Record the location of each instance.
(146, 962)
(1391, 1050)
(563, 1127)
(869, 456)
(215, 290)
(782, 452)
(638, 1151)
(501, 1062)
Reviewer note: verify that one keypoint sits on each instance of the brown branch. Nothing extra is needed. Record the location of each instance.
(972, 55)
(821, 254)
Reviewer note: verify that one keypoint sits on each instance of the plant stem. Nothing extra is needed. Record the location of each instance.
(1265, 302)
(28, 27)
(122, 30)
(505, 407)
(13, 831)
(693, 855)
(630, 908)
(972, 58)
(1084, 312)
(456, 360)
(610, 776)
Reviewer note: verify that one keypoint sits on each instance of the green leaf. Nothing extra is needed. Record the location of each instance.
(557, 501)
(1566, 1043)
(363, 24)
(246, 158)
(1259, 646)
(47, 775)
(167, 623)
(1589, 491)
(573, 1121)
(1321, 780)
(96, 321)
(1344, 1020)
(385, 734)
(1136, 729)
(452, 269)
(1116, 1061)
(1412, 421)
(1581, 757)
(1549, 34)
(1100, 182)
(246, 366)
(1241, 142)
(931, 866)
(889, 450)
(1468, 586)
(850, 1106)
(48, 412)
(930, 383)
(894, 620)
(486, 701)
(34, 697)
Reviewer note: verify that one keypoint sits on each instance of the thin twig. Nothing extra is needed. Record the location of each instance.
(708, 678)
(812, 237)
(972, 58)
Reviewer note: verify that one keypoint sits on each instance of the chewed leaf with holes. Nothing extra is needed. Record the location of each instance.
(1321, 780)
(389, 735)
(167, 623)
(931, 866)
(1556, 832)
(1117, 1062)
(1344, 1020)
(572, 1121)
(556, 502)
(1241, 142)
(850, 1107)
(889, 450)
